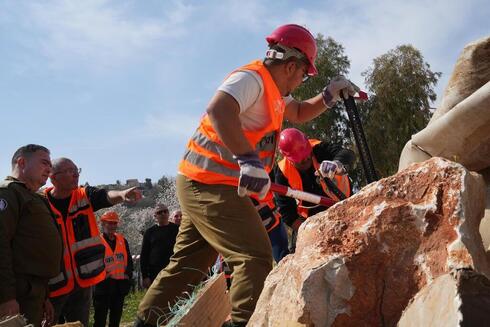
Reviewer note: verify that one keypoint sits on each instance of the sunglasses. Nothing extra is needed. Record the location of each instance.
(161, 211)
(305, 73)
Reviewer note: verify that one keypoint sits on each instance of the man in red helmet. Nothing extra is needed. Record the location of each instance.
(311, 166)
(227, 160)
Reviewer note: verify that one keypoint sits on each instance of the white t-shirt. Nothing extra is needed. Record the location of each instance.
(247, 88)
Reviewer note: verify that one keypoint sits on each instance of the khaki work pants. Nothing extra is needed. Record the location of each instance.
(214, 220)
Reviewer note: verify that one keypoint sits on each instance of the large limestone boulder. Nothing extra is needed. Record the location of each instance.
(462, 134)
(460, 128)
(360, 262)
(461, 298)
(471, 72)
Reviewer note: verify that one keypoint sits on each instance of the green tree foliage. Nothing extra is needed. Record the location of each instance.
(402, 86)
(333, 126)
(331, 61)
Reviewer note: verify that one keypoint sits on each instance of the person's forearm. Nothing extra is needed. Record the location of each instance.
(115, 197)
(144, 270)
(300, 112)
(223, 113)
(289, 218)
(7, 288)
(129, 268)
(144, 264)
(7, 276)
(287, 209)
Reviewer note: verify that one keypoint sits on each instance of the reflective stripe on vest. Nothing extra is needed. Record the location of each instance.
(83, 254)
(116, 261)
(91, 266)
(294, 178)
(208, 160)
(61, 277)
(83, 244)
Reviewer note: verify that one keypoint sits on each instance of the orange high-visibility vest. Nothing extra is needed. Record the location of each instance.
(116, 261)
(294, 178)
(208, 160)
(271, 221)
(83, 250)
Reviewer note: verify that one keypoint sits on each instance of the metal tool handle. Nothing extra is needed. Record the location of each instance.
(360, 137)
(300, 195)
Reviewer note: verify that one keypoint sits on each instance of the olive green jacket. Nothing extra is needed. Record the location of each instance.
(30, 243)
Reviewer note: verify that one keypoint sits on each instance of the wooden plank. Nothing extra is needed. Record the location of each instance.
(14, 321)
(211, 307)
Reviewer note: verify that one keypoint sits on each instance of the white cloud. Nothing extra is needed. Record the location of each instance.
(369, 29)
(170, 125)
(102, 33)
(155, 55)
(242, 14)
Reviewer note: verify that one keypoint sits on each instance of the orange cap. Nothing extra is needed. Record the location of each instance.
(110, 216)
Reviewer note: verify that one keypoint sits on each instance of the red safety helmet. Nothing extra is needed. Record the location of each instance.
(110, 216)
(295, 36)
(294, 145)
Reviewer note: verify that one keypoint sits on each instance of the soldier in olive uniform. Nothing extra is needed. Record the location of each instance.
(30, 243)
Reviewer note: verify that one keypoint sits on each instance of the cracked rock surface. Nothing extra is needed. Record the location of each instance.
(360, 262)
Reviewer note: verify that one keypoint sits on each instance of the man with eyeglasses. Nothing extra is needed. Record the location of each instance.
(228, 158)
(30, 244)
(83, 255)
(158, 245)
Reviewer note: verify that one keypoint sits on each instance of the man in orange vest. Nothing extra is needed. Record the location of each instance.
(306, 165)
(83, 254)
(230, 156)
(110, 293)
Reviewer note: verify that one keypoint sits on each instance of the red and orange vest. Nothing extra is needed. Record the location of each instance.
(83, 250)
(116, 261)
(294, 178)
(208, 160)
(268, 212)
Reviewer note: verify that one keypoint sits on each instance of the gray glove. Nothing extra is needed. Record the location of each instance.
(253, 177)
(331, 93)
(328, 169)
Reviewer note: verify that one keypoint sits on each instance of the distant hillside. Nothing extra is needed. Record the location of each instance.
(135, 219)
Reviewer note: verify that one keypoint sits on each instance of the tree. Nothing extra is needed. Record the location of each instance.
(333, 126)
(164, 182)
(401, 83)
(331, 61)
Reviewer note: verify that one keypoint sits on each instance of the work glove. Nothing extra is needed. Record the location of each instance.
(253, 177)
(328, 169)
(332, 92)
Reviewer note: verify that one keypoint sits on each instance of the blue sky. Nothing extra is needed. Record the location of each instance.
(119, 86)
